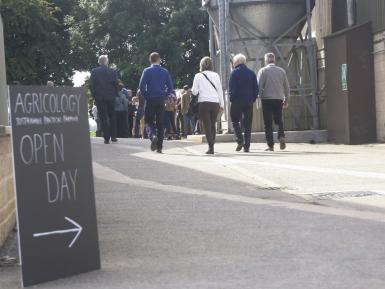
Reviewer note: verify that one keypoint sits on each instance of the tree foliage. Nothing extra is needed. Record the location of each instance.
(36, 41)
(129, 30)
(52, 38)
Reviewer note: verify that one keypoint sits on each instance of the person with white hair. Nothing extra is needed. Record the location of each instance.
(243, 91)
(274, 92)
(104, 89)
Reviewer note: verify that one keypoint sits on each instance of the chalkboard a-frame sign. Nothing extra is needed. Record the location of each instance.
(54, 183)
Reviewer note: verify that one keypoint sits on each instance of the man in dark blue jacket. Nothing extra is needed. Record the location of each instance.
(155, 84)
(243, 90)
(104, 89)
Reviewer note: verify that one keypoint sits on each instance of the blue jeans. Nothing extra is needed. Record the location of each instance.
(188, 124)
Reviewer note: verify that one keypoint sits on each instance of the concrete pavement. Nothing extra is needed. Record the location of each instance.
(260, 220)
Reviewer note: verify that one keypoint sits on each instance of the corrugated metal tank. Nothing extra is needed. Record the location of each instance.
(254, 26)
(266, 19)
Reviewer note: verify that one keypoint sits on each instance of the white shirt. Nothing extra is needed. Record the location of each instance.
(206, 92)
(95, 112)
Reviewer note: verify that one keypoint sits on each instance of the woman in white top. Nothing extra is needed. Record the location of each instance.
(207, 85)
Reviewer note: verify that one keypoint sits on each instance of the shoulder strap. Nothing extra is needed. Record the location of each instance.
(209, 81)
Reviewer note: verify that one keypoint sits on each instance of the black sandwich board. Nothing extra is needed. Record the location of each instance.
(54, 183)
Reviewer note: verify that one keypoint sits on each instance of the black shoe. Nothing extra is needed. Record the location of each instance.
(159, 151)
(269, 149)
(211, 150)
(282, 143)
(246, 150)
(239, 147)
(106, 141)
(114, 139)
(154, 143)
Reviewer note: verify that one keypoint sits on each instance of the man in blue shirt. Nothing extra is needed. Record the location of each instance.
(155, 85)
(243, 89)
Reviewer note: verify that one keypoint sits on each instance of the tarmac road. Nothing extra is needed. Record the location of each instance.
(184, 220)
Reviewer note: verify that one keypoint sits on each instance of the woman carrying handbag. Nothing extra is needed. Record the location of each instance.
(207, 86)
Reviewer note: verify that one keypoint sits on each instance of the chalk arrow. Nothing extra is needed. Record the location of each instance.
(78, 230)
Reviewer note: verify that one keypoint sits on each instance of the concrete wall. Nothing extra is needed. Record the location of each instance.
(322, 26)
(7, 196)
(3, 82)
(379, 71)
(322, 21)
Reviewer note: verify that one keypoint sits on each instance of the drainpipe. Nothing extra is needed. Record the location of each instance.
(351, 9)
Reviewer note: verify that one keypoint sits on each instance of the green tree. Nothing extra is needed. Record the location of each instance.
(37, 41)
(129, 30)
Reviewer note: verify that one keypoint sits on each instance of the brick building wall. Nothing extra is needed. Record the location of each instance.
(7, 196)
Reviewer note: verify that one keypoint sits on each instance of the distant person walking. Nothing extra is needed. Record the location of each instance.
(207, 85)
(188, 117)
(104, 89)
(155, 84)
(170, 107)
(95, 115)
(139, 101)
(274, 92)
(121, 110)
(243, 90)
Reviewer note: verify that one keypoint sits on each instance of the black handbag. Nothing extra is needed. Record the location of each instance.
(193, 106)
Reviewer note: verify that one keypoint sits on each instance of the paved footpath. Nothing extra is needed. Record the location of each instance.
(311, 217)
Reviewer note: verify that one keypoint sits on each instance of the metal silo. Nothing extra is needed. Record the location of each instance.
(255, 27)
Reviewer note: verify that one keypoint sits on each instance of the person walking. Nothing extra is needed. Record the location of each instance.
(188, 118)
(121, 111)
(155, 84)
(95, 115)
(130, 115)
(104, 90)
(139, 101)
(179, 115)
(169, 117)
(274, 92)
(207, 85)
(243, 90)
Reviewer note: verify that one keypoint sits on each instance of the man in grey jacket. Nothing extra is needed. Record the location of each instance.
(274, 92)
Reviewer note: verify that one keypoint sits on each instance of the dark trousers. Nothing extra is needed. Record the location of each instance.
(139, 115)
(237, 111)
(208, 112)
(121, 124)
(272, 110)
(154, 118)
(107, 117)
(180, 123)
(130, 120)
(169, 118)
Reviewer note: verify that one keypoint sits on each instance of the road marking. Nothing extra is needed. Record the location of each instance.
(78, 229)
(108, 174)
(231, 164)
(120, 145)
(329, 171)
